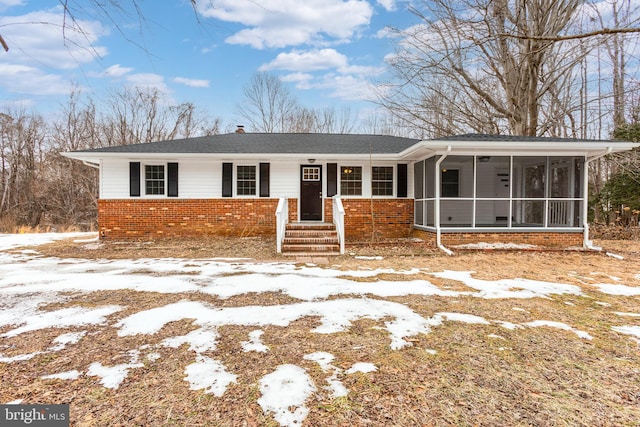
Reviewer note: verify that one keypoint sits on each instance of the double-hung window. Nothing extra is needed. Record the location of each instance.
(382, 181)
(154, 180)
(246, 181)
(351, 180)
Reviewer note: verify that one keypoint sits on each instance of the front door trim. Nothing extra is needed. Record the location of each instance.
(311, 197)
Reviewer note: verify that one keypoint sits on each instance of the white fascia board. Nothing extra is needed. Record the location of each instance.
(97, 156)
(426, 149)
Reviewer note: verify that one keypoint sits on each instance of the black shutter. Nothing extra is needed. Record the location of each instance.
(134, 179)
(402, 180)
(227, 179)
(332, 179)
(264, 179)
(172, 176)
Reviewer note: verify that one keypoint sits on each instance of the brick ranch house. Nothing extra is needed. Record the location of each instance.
(452, 190)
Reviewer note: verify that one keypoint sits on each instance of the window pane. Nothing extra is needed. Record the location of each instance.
(246, 185)
(492, 177)
(528, 213)
(430, 177)
(456, 213)
(450, 183)
(382, 181)
(154, 179)
(462, 179)
(530, 177)
(351, 180)
(560, 177)
(492, 213)
(418, 180)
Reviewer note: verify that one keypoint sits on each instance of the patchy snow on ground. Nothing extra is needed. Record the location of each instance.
(284, 393)
(615, 289)
(29, 281)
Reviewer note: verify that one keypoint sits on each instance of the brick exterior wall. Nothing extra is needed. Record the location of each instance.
(392, 218)
(544, 238)
(145, 218)
(188, 217)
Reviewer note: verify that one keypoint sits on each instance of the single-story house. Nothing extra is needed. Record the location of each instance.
(454, 190)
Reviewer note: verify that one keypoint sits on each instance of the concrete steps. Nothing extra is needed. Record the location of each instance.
(310, 239)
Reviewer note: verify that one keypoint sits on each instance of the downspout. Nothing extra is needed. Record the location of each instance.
(437, 204)
(586, 243)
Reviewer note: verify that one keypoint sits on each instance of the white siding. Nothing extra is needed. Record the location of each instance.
(203, 178)
(115, 179)
(199, 179)
(285, 179)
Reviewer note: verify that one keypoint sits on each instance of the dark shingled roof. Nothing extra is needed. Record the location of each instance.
(271, 143)
(480, 137)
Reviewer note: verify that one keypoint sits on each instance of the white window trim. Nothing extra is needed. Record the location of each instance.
(393, 182)
(235, 181)
(363, 182)
(143, 180)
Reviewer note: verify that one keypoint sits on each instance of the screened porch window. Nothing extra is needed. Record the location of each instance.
(500, 192)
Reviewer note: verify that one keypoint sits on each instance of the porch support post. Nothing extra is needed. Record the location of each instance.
(585, 198)
(437, 203)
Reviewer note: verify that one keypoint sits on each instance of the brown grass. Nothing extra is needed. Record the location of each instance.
(480, 374)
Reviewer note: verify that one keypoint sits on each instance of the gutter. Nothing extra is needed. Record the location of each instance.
(437, 204)
(586, 243)
(91, 164)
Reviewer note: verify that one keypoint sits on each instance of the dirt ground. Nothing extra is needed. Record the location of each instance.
(479, 375)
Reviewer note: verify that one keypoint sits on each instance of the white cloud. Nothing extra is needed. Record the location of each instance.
(6, 4)
(296, 77)
(29, 80)
(307, 61)
(347, 87)
(389, 5)
(148, 81)
(37, 38)
(191, 82)
(116, 70)
(302, 80)
(281, 23)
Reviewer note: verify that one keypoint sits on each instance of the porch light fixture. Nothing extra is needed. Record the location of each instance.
(484, 159)
(311, 160)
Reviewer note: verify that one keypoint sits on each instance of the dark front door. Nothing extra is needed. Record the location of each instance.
(310, 193)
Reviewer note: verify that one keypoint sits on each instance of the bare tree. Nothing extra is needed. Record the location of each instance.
(484, 65)
(268, 105)
(23, 196)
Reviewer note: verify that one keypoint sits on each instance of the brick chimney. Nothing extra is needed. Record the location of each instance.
(240, 129)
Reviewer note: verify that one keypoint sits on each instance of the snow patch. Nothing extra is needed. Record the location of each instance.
(68, 375)
(363, 367)
(210, 375)
(254, 343)
(634, 331)
(284, 392)
(559, 325)
(620, 290)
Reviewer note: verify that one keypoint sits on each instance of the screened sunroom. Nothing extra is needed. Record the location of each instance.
(503, 186)
(501, 192)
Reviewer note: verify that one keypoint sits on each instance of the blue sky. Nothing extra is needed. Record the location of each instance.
(326, 51)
